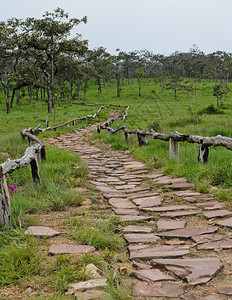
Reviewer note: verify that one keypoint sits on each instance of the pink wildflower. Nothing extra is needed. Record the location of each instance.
(12, 188)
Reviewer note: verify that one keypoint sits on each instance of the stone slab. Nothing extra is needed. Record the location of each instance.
(137, 229)
(141, 237)
(158, 289)
(210, 205)
(188, 232)
(180, 186)
(169, 225)
(161, 180)
(90, 284)
(114, 195)
(225, 291)
(130, 218)
(125, 187)
(108, 179)
(139, 172)
(217, 213)
(169, 208)
(41, 231)
(140, 266)
(123, 211)
(206, 238)
(121, 203)
(141, 195)
(157, 251)
(150, 275)
(186, 193)
(70, 249)
(195, 271)
(226, 222)
(137, 190)
(180, 213)
(223, 244)
(148, 201)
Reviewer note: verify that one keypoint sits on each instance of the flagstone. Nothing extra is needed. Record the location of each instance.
(150, 275)
(170, 208)
(141, 237)
(137, 229)
(217, 213)
(106, 179)
(226, 222)
(169, 225)
(157, 251)
(188, 232)
(140, 266)
(223, 244)
(141, 195)
(130, 218)
(205, 238)
(180, 213)
(138, 190)
(41, 231)
(225, 291)
(70, 249)
(210, 205)
(114, 195)
(124, 211)
(125, 187)
(180, 186)
(194, 270)
(186, 193)
(139, 172)
(158, 289)
(121, 203)
(148, 201)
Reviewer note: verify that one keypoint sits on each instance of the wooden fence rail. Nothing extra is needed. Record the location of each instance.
(173, 139)
(33, 155)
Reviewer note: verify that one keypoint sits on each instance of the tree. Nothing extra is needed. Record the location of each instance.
(139, 74)
(49, 36)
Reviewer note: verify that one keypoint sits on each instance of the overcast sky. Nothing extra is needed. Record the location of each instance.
(160, 26)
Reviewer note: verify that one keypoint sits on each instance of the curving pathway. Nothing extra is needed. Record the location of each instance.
(179, 241)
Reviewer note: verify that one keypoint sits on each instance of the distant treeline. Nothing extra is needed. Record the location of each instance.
(40, 54)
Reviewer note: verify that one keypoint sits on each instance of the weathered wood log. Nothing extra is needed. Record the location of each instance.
(5, 207)
(10, 166)
(173, 149)
(32, 137)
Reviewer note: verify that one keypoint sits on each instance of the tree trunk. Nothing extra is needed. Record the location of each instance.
(6, 96)
(18, 97)
(12, 98)
(118, 87)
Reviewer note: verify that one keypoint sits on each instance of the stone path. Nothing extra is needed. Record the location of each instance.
(167, 227)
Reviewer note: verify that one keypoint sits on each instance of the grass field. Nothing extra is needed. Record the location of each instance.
(193, 113)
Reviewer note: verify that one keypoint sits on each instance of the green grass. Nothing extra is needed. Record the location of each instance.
(96, 231)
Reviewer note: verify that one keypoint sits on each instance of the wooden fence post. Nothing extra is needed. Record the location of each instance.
(173, 149)
(35, 170)
(5, 208)
(142, 139)
(127, 137)
(203, 153)
(109, 132)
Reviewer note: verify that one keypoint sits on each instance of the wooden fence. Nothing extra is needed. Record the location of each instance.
(173, 139)
(33, 156)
